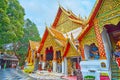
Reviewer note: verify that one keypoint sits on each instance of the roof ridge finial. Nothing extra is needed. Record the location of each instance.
(79, 16)
(59, 3)
(85, 18)
(68, 9)
(45, 24)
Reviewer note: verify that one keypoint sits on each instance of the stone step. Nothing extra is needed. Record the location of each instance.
(118, 71)
(114, 65)
(115, 79)
(116, 74)
(113, 62)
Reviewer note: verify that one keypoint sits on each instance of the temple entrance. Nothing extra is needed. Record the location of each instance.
(49, 58)
(111, 36)
(59, 61)
(113, 32)
(73, 65)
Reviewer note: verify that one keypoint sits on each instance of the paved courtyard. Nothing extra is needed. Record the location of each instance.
(13, 74)
(45, 75)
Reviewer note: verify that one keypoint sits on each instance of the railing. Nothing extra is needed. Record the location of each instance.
(118, 62)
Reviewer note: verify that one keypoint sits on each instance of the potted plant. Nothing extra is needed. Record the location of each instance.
(89, 77)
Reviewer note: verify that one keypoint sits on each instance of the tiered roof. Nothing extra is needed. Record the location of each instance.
(57, 34)
(61, 38)
(34, 45)
(70, 45)
(58, 37)
(70, 14)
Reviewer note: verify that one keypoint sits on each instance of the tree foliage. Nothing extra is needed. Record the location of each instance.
(11, 21)
(30, 33)
(13, 29)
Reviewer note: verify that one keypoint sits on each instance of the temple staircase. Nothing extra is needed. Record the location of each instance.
(115, 71)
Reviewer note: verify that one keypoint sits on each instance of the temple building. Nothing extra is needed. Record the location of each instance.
(98, 40)
(59, 45)
(32, 60)
(8, 60)
(73, 43)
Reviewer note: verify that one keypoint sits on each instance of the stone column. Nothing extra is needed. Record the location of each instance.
(40, 62)
(99, 40)
(63, 66)
(66, 69)
(54, 61)
(44, 61)
(43, 65)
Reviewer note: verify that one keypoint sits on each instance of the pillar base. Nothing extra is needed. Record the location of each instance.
(43, 65)
(54, 66)
(63, 67)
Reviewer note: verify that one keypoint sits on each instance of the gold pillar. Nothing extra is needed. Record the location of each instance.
(99, 40)
(31, 57)
(40, 58)
(54, 55)
(44, 56)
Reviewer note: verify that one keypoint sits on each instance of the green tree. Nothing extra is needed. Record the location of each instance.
(11, 21)
(30, 33)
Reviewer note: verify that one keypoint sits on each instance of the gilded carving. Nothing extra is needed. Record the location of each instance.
(50, 42)
(89, 38)
(65, 24)
(109, 13)
(72, 52)
(108, 5)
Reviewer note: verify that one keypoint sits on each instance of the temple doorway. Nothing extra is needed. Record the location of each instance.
(110, 36)
(113, 33)
(59, 61)
(49, 58)
(73, 65)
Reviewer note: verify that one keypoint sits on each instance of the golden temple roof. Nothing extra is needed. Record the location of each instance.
(70, 14)
(57, 35)
(69, 45)
(34, 45)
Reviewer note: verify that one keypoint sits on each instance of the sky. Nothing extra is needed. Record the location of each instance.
(43, 12)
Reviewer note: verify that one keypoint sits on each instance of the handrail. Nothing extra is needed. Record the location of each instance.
(118, 62)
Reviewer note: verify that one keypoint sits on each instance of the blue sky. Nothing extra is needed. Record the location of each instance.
(43, 12)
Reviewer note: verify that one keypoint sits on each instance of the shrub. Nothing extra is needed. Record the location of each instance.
(89, 77)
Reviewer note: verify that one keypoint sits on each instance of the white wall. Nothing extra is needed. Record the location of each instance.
(108, 47)
(86, 51)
